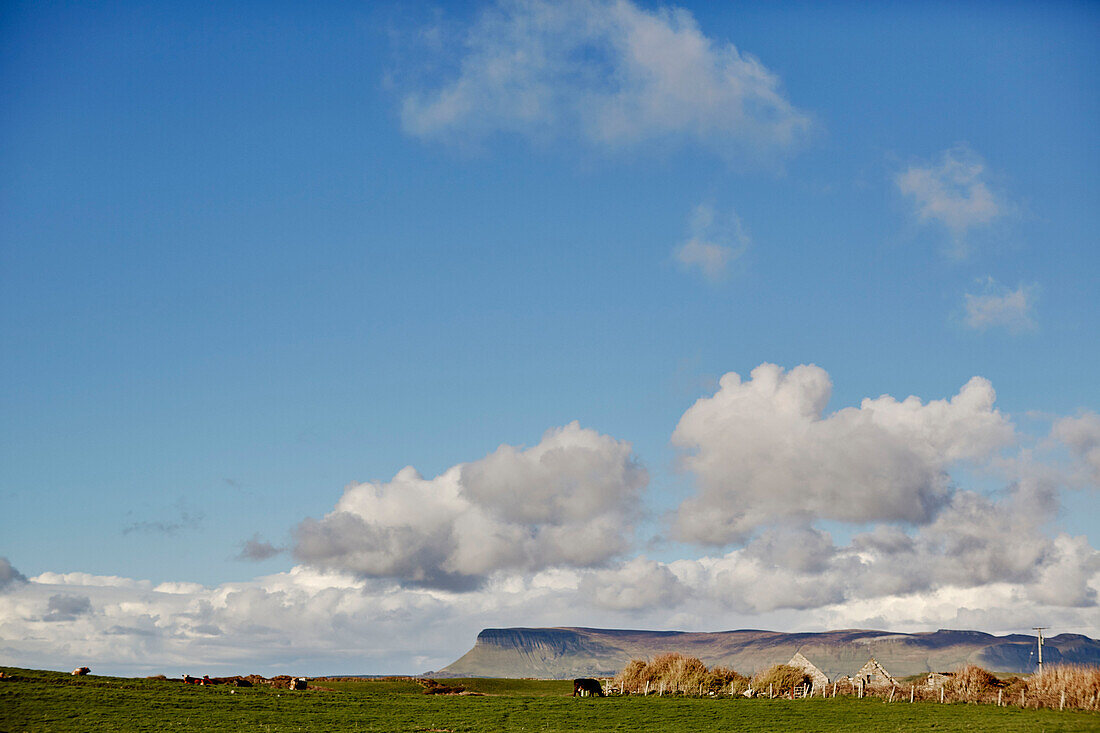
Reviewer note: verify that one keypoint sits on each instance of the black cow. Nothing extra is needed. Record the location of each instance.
(586, 686)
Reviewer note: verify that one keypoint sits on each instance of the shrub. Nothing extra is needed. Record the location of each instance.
(782, 678)
(673, 673)
(973, 684)
(724, 679)
(634, 676)
(678, 672)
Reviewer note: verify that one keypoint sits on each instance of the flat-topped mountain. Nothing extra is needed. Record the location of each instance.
(562, 653)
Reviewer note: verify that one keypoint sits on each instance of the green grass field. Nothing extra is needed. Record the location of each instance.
(50, 701)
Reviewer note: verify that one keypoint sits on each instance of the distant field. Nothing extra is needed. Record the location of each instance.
(484, 685)
(50, 701)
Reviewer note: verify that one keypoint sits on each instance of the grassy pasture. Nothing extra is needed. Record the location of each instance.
(50, 701)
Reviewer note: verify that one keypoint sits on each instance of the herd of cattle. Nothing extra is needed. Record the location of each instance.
(282, 681)
(582, 687)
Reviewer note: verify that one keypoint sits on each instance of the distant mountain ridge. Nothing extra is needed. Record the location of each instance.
(565, 652)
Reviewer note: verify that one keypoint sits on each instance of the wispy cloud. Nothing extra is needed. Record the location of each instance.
(610, 73)
(182, 519)
(714, 241)
(952, 192)
(998, 307)
(258, 549)
(1082, 435)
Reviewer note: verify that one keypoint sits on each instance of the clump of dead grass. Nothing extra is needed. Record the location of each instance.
(1080, 683)
(434, 687)
(780, 679)
(727, 680)
(669, 673)
(973, 684)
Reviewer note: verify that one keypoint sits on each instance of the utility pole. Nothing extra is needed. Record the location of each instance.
(1040, 642)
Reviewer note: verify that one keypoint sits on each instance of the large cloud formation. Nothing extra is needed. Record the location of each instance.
(763, 451)
(568, 501)
(304, 621)
(856, 518)
(609, 72)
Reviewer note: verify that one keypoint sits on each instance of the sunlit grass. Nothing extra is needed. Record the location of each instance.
(49, 701)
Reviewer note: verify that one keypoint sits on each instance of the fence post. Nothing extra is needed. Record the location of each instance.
(770, 691)
(834, 689)
(912, 690)
(647, 687)
(999, 697)
(861, 689)
(1021, 697)
(1062, 705)
(892, 691)
(622, 687)
(941, 693)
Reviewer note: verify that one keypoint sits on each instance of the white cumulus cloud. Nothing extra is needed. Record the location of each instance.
(637, 584)
(568, 501)
(764, 452)
(609, 72)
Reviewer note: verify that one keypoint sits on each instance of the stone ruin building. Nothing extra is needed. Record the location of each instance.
(873, 674)
(818, 679)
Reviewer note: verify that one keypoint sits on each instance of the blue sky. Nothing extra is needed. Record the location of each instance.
(253, 253)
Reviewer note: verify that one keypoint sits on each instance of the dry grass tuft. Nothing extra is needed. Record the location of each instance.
(724, 679)
(781, 678)
(672, 673)
(973, 684)
(1080, 683)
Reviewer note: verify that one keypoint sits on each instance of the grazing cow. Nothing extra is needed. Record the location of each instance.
(188, 679)
(79, 671)
(241, 682)
(585, 686)
(299, 683)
